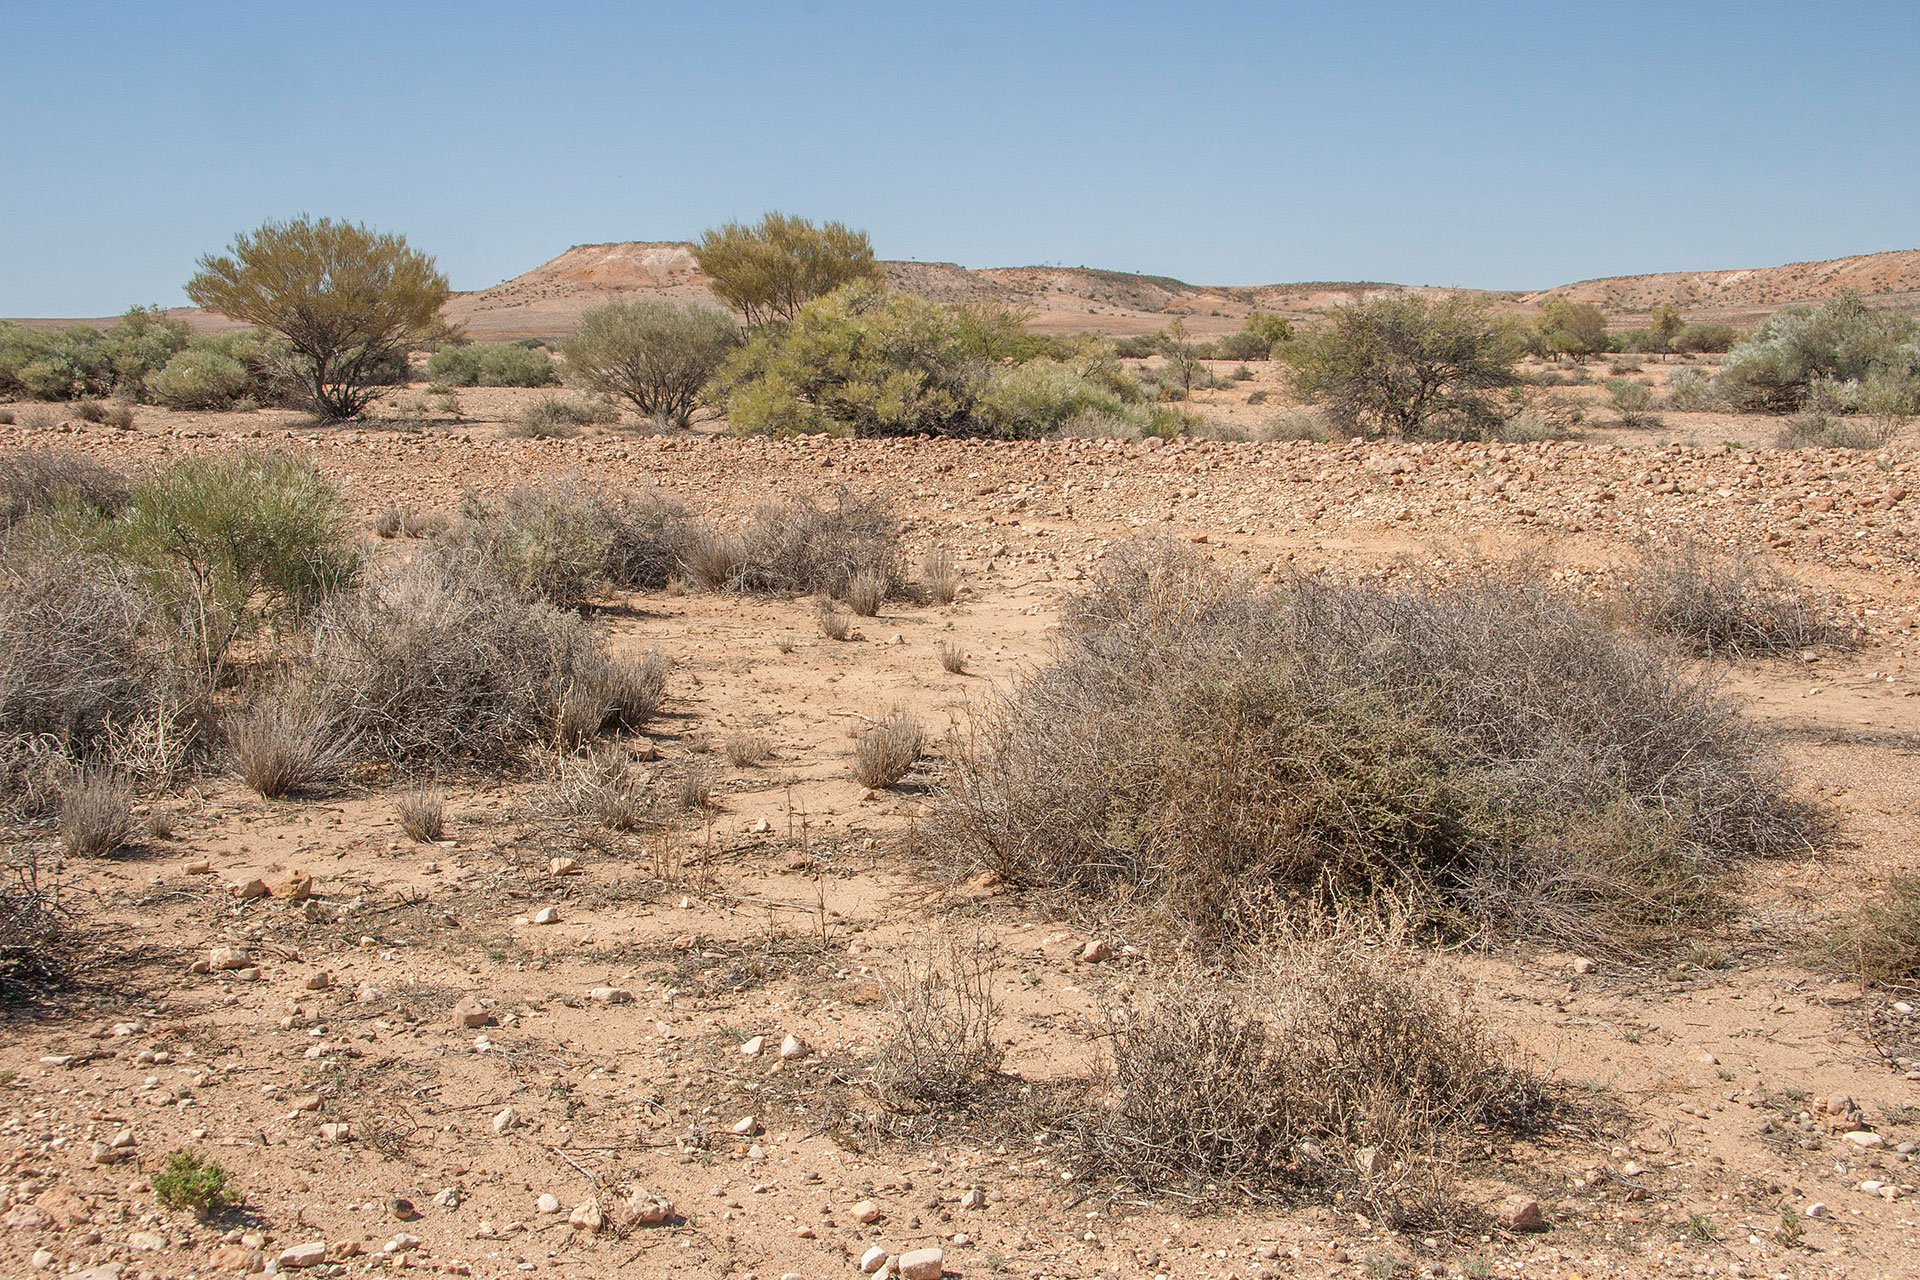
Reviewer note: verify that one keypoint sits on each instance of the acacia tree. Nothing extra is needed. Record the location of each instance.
(348, 300)
(769, 271)
(1400, 364)
(650, 353)
(1667, 325)
(1575, 329)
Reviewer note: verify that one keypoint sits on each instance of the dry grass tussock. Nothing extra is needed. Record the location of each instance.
(797, 546)
(1730, 606)
(1342, 1064)
(290, 740)
(1488, 752)
(886, 751)
(96, 812)
(422, 812)
(940, 576)
(33, 939)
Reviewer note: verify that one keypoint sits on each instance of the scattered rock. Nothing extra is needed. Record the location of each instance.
(563, 867)
(921, 1264)
(1818, 1209)
(610, 995)
(547, 915)
(255, 888)
(1581, 964)
(548, 1202)
(974, 1199)
(337, 1132)
(873, 1259)
(1095, 952)
(866, 1213)
(232, 1257)
(402, 1208)
(301, 1256)
(146, 1241)
(587, 1216)
(229, 958)
(1865, 1139)
(470, 1013)
(447, 1197)
(753, 1046)
(746, 1126)
(298, 888)
(1520, 1213)
(794, 1047)
(649, 1210)
(505, 1120)
(304, 1102)
(319, 981)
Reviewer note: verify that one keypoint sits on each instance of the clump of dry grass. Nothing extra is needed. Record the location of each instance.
(423, 814)
(886, 751)
(953, 658)
(941, 1053)
(1883, 941)
(940, 576)
(1730, 606)
(119, 416)
(746, 749)
(1490, 751)
(387, 523)
(1344, 1065)
(96, 812)
(600, 786)
(289, 741)
(88, 409)
(866, 592)
(693, 790)
(834, 625)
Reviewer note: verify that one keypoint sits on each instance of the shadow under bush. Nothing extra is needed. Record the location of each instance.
(1490, 753)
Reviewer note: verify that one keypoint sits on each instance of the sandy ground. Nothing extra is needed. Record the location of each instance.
(327, 1073)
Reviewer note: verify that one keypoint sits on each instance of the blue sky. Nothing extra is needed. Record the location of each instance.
(1496, 145)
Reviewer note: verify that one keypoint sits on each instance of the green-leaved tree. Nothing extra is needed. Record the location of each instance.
(348, 300)
(1398, 363)
(768, 271)
(655, 355)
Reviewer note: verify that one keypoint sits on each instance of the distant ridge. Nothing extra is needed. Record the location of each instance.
(546, 302)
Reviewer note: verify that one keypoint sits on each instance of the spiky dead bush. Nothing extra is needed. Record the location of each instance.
(1490, 750)
(941, 1053)
(1730, 606)
(1345, 1064)
(647, 536)
(796, 545)
(34, 943)
(422, 812)
(441, 658)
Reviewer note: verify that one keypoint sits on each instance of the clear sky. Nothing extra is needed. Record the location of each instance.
(1440, 142)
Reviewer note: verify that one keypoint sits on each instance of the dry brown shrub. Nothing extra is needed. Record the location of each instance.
(715, 559)
(96, 812)
(423, 814)
(1489, 751)
(388, 523)
(941, 1053)
(886, 751)
(1731, 606)
(34, 943)
(953, 658)
(1883, 941)
(795, 545)
(441, 658)
(1343, 1065)
(694, 790)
